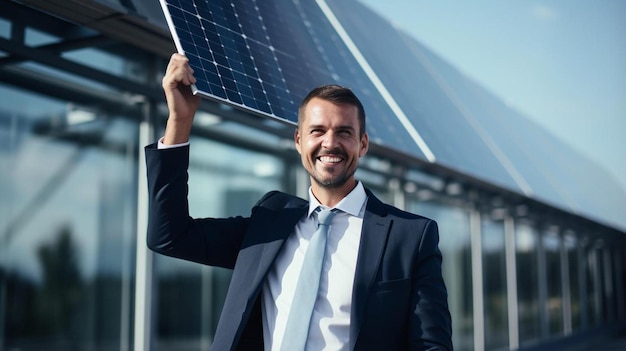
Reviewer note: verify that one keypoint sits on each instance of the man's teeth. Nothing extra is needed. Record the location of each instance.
(330, 159)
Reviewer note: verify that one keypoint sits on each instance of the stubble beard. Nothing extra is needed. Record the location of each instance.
(332, 182)
(335, 182)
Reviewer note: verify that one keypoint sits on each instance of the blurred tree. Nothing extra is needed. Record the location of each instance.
(62, 290)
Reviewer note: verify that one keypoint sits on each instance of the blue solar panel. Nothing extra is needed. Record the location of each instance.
(471, 130)
(210, 35)
(265, 56)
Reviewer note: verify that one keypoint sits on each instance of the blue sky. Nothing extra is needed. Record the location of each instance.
(561, 63)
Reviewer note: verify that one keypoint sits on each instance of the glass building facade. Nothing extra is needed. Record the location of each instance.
(80, 98)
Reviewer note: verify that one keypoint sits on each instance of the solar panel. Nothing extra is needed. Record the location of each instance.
(473, 131)
(264, 56)
(210, 34)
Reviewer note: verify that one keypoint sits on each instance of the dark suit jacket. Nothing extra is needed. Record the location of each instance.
(399, 300)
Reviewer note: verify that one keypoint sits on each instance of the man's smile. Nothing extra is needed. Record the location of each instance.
(330, 159)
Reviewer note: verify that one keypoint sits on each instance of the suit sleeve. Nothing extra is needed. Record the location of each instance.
(171, 231)
(430, 326)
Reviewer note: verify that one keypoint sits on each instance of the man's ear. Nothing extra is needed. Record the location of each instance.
(365, 142)
(296, 139)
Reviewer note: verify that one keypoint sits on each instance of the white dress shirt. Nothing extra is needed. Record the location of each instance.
(330, 323)
(162, 146)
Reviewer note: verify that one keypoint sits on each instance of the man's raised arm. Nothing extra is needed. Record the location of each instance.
(182, 104)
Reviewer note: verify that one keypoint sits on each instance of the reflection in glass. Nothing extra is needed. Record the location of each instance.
(594, 305)
(99, 59)
(619, 283)
(454, 242)
(552, 246)
(5, 28)
(571, 247)
(609, 304)
(67, 225)
(526, 238)
(494, 280)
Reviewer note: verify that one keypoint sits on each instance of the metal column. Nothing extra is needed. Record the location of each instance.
(144, 260)
(477, 280)
(511, 282)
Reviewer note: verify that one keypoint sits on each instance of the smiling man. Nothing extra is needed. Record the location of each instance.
(330, 139)
(339, 271)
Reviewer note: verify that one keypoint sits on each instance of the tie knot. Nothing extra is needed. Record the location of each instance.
(325, 216)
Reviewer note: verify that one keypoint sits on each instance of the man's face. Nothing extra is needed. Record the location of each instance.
(329, 143)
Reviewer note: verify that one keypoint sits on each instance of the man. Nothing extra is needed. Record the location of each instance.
(380, 286)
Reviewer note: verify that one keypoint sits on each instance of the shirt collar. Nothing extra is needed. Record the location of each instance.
(352, 204)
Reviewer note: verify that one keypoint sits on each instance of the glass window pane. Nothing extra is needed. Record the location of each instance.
(552, 246)
(571, 247)
(121, 66)
(593, 284)
(5, 28)
(608, 290)
(454, 242)
(494, 281)
(526, 242)
(67, 224)
(619, 274)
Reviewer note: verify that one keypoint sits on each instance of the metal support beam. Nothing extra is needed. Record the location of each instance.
(144, 258)
(594, 266)
(395, 188)
(542, 275)
(582, 283)
(511, 282)
(65, 45)
(618, 260)
(565, 286)
(608, 291)
(477, 280)
(54, 60)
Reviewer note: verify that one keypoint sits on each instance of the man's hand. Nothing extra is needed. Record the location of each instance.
(182, 104)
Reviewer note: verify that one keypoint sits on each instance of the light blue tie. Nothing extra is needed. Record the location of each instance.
(297, 329)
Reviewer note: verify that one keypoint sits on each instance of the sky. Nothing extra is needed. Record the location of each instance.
(561, 63)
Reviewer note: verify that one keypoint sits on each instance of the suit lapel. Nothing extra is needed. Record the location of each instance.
(283, 225)
(374, 235)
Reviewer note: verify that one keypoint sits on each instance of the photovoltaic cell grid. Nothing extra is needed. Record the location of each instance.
(210, 34)
(265, 56)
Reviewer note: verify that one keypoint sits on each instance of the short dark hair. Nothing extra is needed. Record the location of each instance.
(337, 95)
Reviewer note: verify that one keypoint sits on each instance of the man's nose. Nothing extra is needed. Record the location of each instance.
(330, 140)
